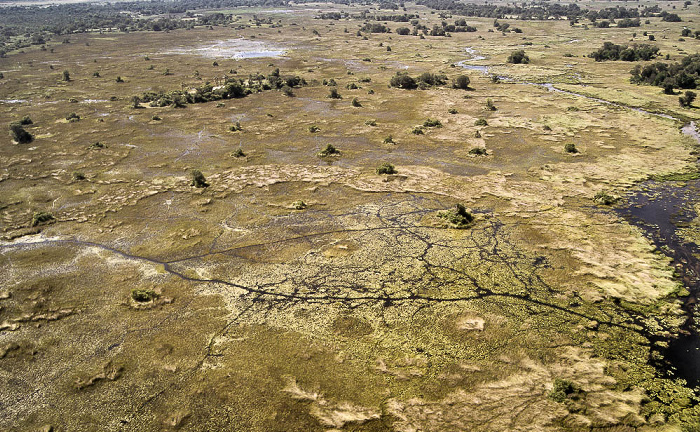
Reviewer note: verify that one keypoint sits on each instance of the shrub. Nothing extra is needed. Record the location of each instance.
(19, 134)
(96, 146)
(687, 99)
(73, 117)
(371, 122)
(26, 120)
(481, 122)
(143, 295)
(452, 111)
(198, 179)
(570, 148)
(461, 82)
(518, 57)
(490, 106)
(78, 176)
(356, 103)
(42, 217)
(330, 150)
(604, 198)
(432, 123)
(238, 153)
(389, 140)
(403, 81)
(457, 217)
(386, 168)
(478, 151)
(66, 76)
(299, 205)
(314, 128)
(418, 130)
(563, 390)
(235, 127)
(156, 117)
(477, 134)
(287, 91)
(334, 94)
(119, 79)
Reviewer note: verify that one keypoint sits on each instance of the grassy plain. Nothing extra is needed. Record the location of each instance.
(361, 311)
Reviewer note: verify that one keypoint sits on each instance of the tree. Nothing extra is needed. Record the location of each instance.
(518, 57)
(461, 82)
(198, 179)
(66, 75)
(19, 134)
(687, 99)
(403, 80)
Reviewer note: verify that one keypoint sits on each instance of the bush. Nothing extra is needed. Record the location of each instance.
(604, 198)
(478, 151)
(299, 205)
(238, 153)
(156, 117)
(19, 134)
(490, 106)
(570, 148)
(403, 31)
(356, 103)
(198, 179)
(119, 79)
(432, 123)
(78, 176)
(330, 150)
(66, 75)
(96, 146)
(73, 117)
(334, 94)
(481, 122)
(386, 168)
(418, 130)
(457, 217)
(371, 122)
(563, 390)
(687, 100)
(389, 140)
(403, 81)
(42, 217)
(518, 57)
(236, 127)
(461, 82)
(314, 128)
(143, 295)
(26, 120)
(452, 111)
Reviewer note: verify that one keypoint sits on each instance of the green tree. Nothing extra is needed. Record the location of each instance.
(198, 179)
(66, 75)
(461, 82)
(19, 134)
(518, 57)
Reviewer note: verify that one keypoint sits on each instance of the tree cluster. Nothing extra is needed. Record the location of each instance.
(611, 51)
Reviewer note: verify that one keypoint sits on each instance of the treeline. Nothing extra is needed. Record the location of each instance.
(611, 51)
(683, 75)
(22, 26)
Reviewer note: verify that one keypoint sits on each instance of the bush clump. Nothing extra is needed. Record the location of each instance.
(42, 217)
(563, 390)
(461, 82)
(457, 217)
(403, 81)
(143, 295)
(20, 135)
(386, 168)
(299, 205)
(198, 179)
(238, 153)
(604, 198)
(432, 123)
(570, 148)
(478, 151)
(481, 122)
(518, 57)
(330, 150)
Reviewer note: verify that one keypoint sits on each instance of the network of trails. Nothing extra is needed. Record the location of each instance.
(361, 311)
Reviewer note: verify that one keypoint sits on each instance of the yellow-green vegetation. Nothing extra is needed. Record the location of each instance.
(140, 295)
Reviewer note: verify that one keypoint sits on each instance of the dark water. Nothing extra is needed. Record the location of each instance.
(661, 208)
